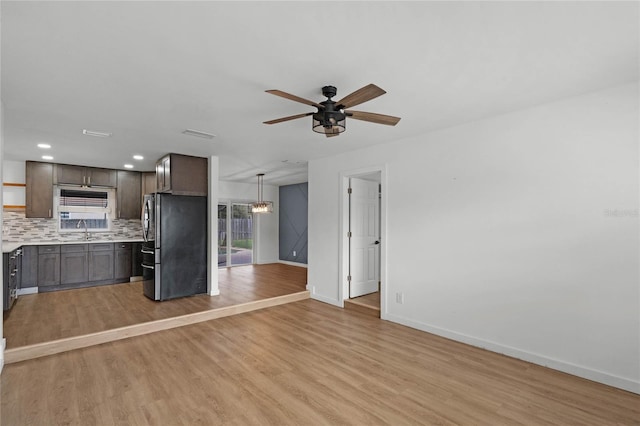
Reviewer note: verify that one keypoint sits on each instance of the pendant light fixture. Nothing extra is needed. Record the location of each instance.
(261, 206)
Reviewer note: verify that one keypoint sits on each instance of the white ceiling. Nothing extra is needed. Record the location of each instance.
(145, 71)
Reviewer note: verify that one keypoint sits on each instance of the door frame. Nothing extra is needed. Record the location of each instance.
(343, 268)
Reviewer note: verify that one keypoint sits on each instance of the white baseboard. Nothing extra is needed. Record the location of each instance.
(555, 364)
(27, 290)
(286, 262)
(334, 302)
(263, 262)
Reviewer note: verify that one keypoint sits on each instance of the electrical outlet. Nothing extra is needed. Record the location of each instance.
(400, 298)
(294, 253)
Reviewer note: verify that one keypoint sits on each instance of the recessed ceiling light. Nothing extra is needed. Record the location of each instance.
(94, 133)
(44, 145)
(128, 166)
(138, 157)
(47, 157)
(199, 134)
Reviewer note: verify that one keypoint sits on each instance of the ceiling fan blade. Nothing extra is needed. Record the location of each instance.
(364, 94)
(294, 98)
(291, 117)
(389, 120)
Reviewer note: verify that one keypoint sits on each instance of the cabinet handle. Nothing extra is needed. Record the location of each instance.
(49, 212)
(84, 180)
(89, 181)
(147, 267)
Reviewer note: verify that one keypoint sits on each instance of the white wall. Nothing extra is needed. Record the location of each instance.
(267, 224)
(2, 339)
(517, 233)
(213, 288)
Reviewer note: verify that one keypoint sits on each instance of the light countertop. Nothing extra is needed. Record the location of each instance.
(8, 246)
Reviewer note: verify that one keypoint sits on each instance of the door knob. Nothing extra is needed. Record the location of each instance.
(377, 242)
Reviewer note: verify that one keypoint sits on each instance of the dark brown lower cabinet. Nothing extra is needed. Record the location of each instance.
(67, 266)
(101, 261)
(74, 265)
(48, 265)
(12, 266)
(29, 276)
(136, 259)
(122, 265)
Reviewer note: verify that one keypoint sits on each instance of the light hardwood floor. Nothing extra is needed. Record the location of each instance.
(372, 300)
(368, 304)
(37, 318)
(304, 363)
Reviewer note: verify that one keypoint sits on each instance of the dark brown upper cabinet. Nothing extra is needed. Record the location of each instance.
(39, 190)
(128, 195)
(148, 183)
(66, 174)
(182, 175)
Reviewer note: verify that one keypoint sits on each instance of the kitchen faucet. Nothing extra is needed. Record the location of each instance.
(86, 229)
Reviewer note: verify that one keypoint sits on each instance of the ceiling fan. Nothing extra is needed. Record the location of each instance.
(330, 118)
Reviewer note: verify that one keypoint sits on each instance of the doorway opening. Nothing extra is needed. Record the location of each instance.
(235, 234)
(363, 250)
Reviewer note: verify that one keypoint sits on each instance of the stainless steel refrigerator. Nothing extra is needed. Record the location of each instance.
(174, 254)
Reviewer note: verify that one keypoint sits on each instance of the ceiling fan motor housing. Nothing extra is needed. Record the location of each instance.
(330, 119)
(329, 91)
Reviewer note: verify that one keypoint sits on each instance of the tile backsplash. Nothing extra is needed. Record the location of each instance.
(17, 228)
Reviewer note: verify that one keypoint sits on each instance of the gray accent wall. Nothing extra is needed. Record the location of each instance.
(293, 222)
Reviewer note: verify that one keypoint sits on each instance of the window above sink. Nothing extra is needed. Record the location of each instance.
(84, 209)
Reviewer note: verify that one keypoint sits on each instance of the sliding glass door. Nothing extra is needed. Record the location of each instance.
(235, 234)
(222, 235)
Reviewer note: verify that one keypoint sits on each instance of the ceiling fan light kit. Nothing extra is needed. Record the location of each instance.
(331, 125)
(331, 116)
(329, 120)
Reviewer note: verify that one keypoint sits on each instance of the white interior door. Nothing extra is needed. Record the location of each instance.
(364, 246)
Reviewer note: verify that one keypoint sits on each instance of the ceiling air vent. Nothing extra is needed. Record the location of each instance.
(96, 134)
(199, 134)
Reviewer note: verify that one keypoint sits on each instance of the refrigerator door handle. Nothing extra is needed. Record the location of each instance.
(158, 226)
(145, 221)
